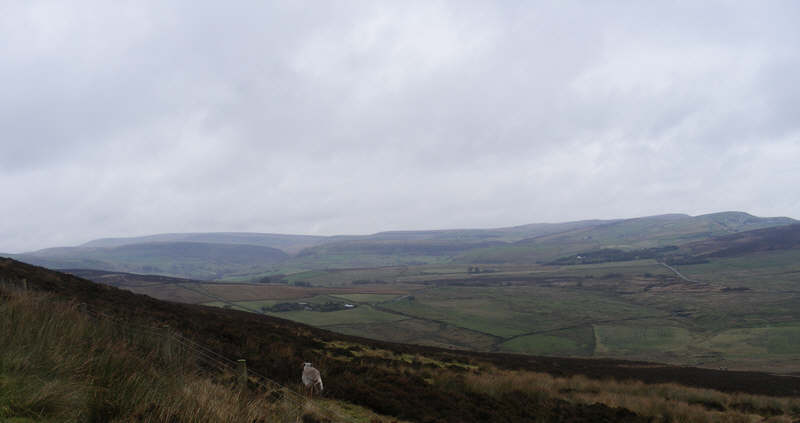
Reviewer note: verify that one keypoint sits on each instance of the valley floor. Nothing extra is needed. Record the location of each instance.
(730, 313)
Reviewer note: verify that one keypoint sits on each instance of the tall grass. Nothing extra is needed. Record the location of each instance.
(59, 365)
(662, 402)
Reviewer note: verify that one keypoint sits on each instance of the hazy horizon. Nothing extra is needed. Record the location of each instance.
(146, 235)
(360, 117)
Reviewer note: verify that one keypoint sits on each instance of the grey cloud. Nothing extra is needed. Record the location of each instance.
(364, 116)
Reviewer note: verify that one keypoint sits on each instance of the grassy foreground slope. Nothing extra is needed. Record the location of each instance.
(404, 381)
(59, 364)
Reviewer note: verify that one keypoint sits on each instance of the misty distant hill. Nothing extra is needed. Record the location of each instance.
(190, 259)
(228, 254)
(661, 230)
(626, 234)
(767, 239)
(422, 247)
(288, 243)
(293, 244)
(508, 234)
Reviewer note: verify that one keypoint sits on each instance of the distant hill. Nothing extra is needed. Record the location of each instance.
(226, 254)
(190, 259)
(508, 234)
(288, 243)
(627, 234)
(767, 239)
(234, 254)
(293, 244)
(785, 237)
(374, 253)
(660, 230)
(419, 247)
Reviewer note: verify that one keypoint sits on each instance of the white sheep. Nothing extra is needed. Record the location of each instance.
(311, 379)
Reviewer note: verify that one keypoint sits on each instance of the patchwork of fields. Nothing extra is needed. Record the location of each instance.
(736, 313)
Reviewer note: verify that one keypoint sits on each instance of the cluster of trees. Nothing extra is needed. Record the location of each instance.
(368, 281)
(282, 279)
(272, 279)
(324, 307)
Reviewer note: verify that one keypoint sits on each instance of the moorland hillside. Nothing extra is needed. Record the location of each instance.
(424, 383)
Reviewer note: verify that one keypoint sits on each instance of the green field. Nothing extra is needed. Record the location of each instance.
(740, 313)
(359, 315)
(512, 311)
(362, 314)
(642, 338)
(763, 271)
(735, 312)
(748, 342)
(578, 342)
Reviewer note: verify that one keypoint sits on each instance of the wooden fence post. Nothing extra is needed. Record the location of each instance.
(167, 342)
(243, 375)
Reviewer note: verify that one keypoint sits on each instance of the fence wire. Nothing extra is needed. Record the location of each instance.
(221, 364)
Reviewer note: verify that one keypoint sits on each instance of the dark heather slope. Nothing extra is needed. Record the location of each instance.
(768, 239)
(277, 348)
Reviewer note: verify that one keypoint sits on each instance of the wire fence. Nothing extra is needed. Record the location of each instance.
(220, 363)
(223, 365)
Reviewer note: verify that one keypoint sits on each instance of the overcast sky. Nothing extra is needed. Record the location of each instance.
(329, 117)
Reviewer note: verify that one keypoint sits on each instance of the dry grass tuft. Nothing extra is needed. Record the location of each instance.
(57, 364)
(663, 402)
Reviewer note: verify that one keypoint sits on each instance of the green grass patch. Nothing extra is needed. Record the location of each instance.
(58, 365)
(542, 344)
(640, 308)
(640, 338)
(763, 271)
(578, 341)
(512, 311)
(360, 314)
(759, 342)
